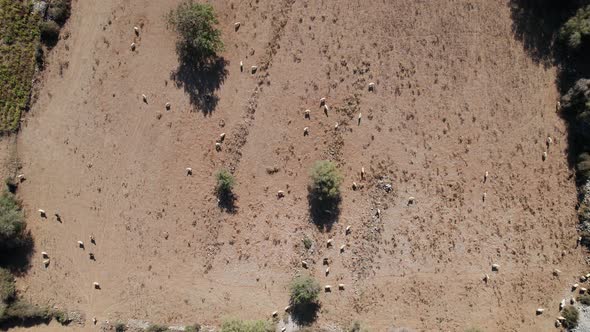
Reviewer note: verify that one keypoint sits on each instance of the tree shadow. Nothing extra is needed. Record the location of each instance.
(200, 80)
(18, 259)
(227, 202)
(304, 315)
(323, 213)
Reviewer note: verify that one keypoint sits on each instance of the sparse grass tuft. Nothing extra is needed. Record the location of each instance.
(235, 325)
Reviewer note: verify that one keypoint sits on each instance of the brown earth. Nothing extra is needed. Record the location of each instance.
(456, 96)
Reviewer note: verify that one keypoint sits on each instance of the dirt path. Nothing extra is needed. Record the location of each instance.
(455, 96)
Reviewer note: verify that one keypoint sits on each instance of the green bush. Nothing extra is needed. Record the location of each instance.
(575, 32)
(7, 290)
(195, 24)
(193, 328)
(235, 325)
(225, 183)
(571, 315)
(584, 299)
(307, 243)
(304, 291)
(22, 311)
(325, 181)
(12, 225)
(49, 32)
(576, 103)
(59, 11)
(62, 317)
(120, 327)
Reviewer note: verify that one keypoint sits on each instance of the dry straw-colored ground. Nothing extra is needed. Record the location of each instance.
(456, 95)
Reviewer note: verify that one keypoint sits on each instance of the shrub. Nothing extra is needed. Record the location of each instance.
(576, 103)
(23, 311)
(225, 183)
(356, 327)
(307, 242)
(156, 328)
(192, 328)
(571, 315)
(12, 223)
(575, 32)
(62, 317)
(120, 327)
(59, 11)
(235, 325)
(304, 291)
(7, 289)
(584, 299)
(198, 38)
(49, 32)
(325, 181)
(583, 166)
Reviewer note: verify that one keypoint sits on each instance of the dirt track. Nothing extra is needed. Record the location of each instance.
(456, 96)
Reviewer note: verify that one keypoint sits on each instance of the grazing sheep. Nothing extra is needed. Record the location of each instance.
(544, 155)
(557, 323)
(483, 197)
(283, 329)
(168, 105)
(558, 106)
(241, 66)
(342, 248)
(329, 243)
(336, 125)
(326, 109)
(92, 239)
(583, 290)
(587, 275)
(44, 254)
(91, 256)
(304, 264)
(495, 267)
(221, 137)
(378, 213)
(94, 320)
(144, 97)
(354, 186)
(322, 101)
(549, 141)
(326, 261)
(189, 171)
(21, 177)
(574, 286)
(46, 262)
(42, 213)
(583, 278)
(307, 114)
(275, 313)
(327, 288)
(540, 311)
(218, 146)
(371, 86)
(280, 194)
(237, 26)
(362, 173)
(57, 217)
(327, 271)
(572, 301)
(253, 69)
(556, 272)
(561, 304)
(485, 177)
(411, 200)
(341, 286)
(136, 29)
(81, 244)
(486, 278)
(305, 131)
(561, 318)
(347, 230)
(133, 46)
(359, 118)
(96, 285)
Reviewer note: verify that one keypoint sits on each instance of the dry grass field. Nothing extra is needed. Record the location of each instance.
(456, 95)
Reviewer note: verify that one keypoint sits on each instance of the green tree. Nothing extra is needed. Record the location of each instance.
(195, 23)
(304, 291)
(575, 33)
(571, 315)
(325, 181)
(225, 183)
(12, 225)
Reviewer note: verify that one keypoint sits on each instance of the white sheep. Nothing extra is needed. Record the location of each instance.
(136, 29)
(322, 101)
(342, 247)
(80, 244)
(336, 125)
(359, 118)
(540, 311)
(46, 262)
(189, 171)
(287, 308)
(362, 173)
(21, 177)
(241, 66)
(583, 290)
(280, 194)
(378, 213)
(583, 278)
(327, 270)
(341, 286)
(574, 286)
(549, 140)
(485, 176)
(94, 320)
(96, 285)
(44, 254)
(572, 301)
(237, 25)
(354, 185)
(305, 131)
(371, 86)
(218, 146)
(253, 69)
(587, 275)
(486, 278)
(275, 313)
(326, 108)
(329, 243)
(544, 155)
(133, 46)
(307, 114)
(558, 106)
(561, 304)
(221, 137)
(411, 200)
(556, 272)
(495, 267)
(304, 264)
(283, 329)
(168, 106)
(483, 197)
(144, 97)
(327, 288)
(348, 229)
(42, 213)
